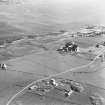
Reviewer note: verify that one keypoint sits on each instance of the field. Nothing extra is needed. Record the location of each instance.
(31, 59)
(31, 31)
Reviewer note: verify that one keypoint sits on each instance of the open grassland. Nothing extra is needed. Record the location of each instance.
(93, 83)
(32, 59)
(29, 39)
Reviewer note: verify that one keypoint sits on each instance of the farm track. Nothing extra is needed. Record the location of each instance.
(14, 96)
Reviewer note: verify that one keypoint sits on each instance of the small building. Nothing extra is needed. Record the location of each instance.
(3, 66)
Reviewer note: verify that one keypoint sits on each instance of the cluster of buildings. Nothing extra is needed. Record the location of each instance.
(87, 31)
(91, 31)
(68, 87)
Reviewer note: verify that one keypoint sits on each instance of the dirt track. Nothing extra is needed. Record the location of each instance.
(91, 81)
(33, 66)
(38, 66)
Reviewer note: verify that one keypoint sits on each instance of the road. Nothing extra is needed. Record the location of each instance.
(67, 71)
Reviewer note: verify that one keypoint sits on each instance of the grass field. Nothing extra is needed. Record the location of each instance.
(29, 37)
(26, 63)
